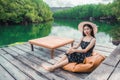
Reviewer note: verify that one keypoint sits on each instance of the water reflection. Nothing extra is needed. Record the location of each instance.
(107, 33)
(115, 33)
(21, 33)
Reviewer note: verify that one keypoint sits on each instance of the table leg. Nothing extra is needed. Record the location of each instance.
(52, 53)
(72, 44)
(32, 47)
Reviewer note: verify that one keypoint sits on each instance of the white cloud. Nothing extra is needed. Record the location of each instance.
(70, 3)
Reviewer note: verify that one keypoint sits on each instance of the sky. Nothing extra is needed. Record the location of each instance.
(71, 3)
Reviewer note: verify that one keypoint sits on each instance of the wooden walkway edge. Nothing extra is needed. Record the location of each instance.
(20, 63)
(109, 69)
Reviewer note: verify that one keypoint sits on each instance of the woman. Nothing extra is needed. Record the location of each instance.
(82, 50)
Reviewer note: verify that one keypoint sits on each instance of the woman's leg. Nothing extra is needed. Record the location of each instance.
(53, 67)
(63, 61)
(69, 50)
(63, 58)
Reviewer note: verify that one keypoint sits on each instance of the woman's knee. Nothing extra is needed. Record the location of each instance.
(69, 50)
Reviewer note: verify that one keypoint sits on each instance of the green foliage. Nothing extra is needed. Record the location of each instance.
(87, 11)
(116, 8)
(18, 11)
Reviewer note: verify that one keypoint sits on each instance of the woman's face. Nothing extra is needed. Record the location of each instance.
(87, 30)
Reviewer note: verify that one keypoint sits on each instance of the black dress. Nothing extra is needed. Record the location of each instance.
(79, 57)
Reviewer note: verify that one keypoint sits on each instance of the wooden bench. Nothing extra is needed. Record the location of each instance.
(51, 42)
(109, 69)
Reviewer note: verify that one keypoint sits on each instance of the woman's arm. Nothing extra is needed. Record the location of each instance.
(75, 47)
(92, 43)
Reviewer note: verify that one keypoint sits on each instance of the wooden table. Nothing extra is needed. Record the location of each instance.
(51, 42)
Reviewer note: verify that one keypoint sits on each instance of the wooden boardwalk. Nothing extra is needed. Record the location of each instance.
(109, 69)
(20, 63)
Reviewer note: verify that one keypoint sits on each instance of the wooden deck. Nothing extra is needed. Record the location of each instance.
(20, 63)
(109, 69)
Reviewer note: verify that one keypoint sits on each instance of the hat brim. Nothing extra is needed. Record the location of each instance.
(80, 26)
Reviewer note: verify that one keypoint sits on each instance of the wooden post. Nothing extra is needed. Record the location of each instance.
(52, 53)
(72, 44)
(32, 47)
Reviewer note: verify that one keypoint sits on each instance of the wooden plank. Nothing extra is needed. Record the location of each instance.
(71, 75)
(37, 53)
(103, 49)
(111, 61)
(106, 46)
(42, 53)
(116, 74)
(15, 72)
(116, 52)
(107, 67)
(102, 53)
(67, 74)
(37, 67)
(52, 61)
(118, 66)
(101, 73)
(13, 52)
(39, 50)
(23, 57)
(4, 75)
(25, 69)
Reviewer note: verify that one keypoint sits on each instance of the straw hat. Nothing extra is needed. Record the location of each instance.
(80, 26)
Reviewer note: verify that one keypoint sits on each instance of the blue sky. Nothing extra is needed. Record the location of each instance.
(71, 3)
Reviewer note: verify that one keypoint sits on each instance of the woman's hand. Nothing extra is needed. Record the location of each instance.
(71, 50)
(75, 47)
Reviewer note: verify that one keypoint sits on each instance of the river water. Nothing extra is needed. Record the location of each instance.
(108, 33)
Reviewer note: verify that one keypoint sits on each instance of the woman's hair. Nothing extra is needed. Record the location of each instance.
(92, 32)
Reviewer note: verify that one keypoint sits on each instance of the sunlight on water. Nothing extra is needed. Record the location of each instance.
(103, 39)
(107, 33)
(65, 31)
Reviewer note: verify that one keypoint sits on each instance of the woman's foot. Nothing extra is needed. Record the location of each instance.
(48, 68)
